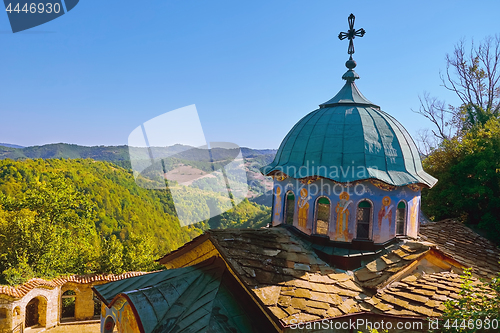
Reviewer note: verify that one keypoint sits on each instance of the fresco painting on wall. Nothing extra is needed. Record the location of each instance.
(277, 206)
(313, 215)
(414, 206)
(384, 219)
(341, 231)
(303, 204)
(127, 322)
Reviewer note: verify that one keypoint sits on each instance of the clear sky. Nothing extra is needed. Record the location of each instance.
(253, 68)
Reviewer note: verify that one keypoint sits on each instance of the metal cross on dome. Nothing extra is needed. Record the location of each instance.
(351, 33)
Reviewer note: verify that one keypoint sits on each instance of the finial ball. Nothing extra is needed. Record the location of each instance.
(351, 64)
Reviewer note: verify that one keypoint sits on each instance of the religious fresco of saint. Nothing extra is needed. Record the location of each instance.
(384, 220)
(414, 209)
(303, 205)
(278, 205)
(342, 220)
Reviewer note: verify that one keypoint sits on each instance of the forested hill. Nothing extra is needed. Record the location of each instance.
(117, 154)
(81, 216)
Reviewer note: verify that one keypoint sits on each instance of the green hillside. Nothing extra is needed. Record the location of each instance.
(119, 155)
(64, 207)
(116, 154)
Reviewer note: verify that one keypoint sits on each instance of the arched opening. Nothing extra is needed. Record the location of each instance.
(363, 220)
(289, 207)
(401, 218)
(322, 216)
(16, 312)
(3, 313)
(97, 307)
(35, 312)
(68, 300)
(3, 319)
(109, 325)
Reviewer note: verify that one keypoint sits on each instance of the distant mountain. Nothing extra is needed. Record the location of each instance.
(10, 145)
(114, 154)
(184, 156)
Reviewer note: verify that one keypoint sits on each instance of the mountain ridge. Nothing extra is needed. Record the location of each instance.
(115, 154)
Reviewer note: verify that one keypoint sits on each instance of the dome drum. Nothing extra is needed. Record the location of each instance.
(346, 213)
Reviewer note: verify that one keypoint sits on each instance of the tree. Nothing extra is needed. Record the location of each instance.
(477, 307)
(463, 148)
(139, 254)
(468, 170)
(111, 255)
(48, 229)
(474, 77)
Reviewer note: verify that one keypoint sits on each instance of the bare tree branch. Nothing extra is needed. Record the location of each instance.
(439, 114)
(474, 76)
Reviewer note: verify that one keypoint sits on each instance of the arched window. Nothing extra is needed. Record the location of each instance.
(3, 313)
(322, 216)
(97, 307)
(289, 207)
(17, 311)
(35, 312)
(363, 218)
(109, 325)
(68, 304)
(401, 218)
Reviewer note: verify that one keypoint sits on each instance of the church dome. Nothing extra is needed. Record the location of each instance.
(350, 139)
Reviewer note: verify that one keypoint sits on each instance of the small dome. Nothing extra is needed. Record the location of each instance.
(348, 139)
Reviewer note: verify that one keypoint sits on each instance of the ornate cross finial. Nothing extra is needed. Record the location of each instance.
(351, 34)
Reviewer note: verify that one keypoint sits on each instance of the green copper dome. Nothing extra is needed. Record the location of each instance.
(348, 139)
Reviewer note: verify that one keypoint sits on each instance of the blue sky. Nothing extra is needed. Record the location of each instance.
(253, 68)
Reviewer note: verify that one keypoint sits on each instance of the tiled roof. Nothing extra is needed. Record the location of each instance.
(281, 270)
(378, 273)
(417, 295)
(426, 288)
(193, 299)
(21, 290)
(286, 276)
(464, 245)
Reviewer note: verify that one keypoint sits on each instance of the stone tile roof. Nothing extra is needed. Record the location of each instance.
(21, 290)
(464, 245)
(417, 295)
(381, 271)
(196, 298)
(425, 288)
(286, 276)
(281, 270)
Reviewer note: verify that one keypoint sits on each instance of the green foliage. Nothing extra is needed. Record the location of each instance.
(46, 231)
(477, 302)
(111, 255)
(468, 170)
(137, 252)
(82, 216)
(19, 273)
(117, 154)
(245, 215)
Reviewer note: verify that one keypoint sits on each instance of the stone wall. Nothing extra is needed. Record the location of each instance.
(13, 311)
(48, 308)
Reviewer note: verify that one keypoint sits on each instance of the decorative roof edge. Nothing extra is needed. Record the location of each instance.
(22, 290)
(310, 179)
